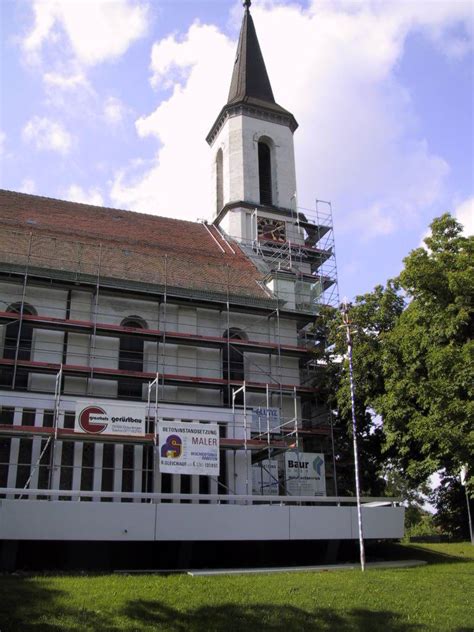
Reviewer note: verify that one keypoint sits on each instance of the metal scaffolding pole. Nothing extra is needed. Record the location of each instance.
(56, 413)
(269, 451)
(154, 383)
(22, 308)
(297, 437)
(164, 329)
(279, 356)
(333, 453)
(52, 437)
(228, 335)
(92, 345)
(235, 392)
(347, 326)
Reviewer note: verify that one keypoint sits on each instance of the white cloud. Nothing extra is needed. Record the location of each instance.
(464, 213)
(68, 37)
(337, 74)
(28, 185)
(114, 111)
(68, 88)
(90, 31)
(46, 134)
(178, 183)
(67, 81)
(75, 193)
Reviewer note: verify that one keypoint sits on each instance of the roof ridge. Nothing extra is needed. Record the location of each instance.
(96, 206)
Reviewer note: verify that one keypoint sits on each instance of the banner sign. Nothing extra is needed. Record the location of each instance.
(110, 418)
(265, 478)
(188, 448)
(305, 473)
(264, 418)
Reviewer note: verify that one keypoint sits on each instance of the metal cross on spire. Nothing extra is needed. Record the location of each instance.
(247, 4)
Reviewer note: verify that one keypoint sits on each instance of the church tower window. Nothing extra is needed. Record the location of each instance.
(265, 173)
(219, 181)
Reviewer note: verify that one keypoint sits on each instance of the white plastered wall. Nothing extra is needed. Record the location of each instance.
(104, 351)
(171, 358)
(238, 140)
(47, 346)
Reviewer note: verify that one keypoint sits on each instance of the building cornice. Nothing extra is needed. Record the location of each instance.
(261, 111)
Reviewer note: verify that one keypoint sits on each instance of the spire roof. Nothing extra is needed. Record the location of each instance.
(250, 88)
(249, 78)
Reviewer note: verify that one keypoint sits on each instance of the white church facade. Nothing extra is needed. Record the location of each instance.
(156, 376)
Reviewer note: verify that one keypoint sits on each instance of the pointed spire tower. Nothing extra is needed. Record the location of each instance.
(252, 143)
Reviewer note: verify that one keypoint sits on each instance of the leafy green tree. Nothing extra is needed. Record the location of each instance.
(372, 316)
(427, 363)
(451, 516)
(413, 368)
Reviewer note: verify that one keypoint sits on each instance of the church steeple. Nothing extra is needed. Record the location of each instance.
(250, 78)
(252, 142)
(250, 86)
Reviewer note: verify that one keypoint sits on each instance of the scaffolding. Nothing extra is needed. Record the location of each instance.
(305, 248)
(90, 316)
(218, 339)
(256, 443)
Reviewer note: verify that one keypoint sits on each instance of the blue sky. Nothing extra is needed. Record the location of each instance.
(109, 102)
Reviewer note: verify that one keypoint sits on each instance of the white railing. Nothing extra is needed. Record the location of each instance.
(243, 499)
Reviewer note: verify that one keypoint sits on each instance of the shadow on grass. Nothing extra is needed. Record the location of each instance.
(264, 618)
(23, 604)
(27, 607)
(394, 551)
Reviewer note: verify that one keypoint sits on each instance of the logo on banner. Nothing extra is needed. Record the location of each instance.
(93, 419)
(173, 447)
(317, 465)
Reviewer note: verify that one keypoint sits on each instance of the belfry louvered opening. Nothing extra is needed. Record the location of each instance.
(265, 173)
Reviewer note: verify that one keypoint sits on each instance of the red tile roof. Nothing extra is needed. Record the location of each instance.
(127, 245)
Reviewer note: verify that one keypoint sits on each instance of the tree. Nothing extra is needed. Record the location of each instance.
(372, 316)
(413, 365)
(451, 516)
(426, 403)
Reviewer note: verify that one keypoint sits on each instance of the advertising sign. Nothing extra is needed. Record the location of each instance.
(305, 473)
(264, 418)
(110, 418)
(188, 448)
(265, 478)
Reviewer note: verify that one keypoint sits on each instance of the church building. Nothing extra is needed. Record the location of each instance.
(156, 375)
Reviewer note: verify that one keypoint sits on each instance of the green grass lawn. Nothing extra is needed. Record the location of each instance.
(438, 597)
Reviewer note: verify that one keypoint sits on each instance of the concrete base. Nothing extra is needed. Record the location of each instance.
(147, 522)
(300, 569)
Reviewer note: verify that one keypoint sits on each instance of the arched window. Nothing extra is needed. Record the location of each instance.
(233, 361)
(219, 181)
(131, 358)
(265, 173)
(17, 333)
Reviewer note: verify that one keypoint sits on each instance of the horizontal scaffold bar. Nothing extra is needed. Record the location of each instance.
(65, 434)
(107, 329)
(144, 376)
